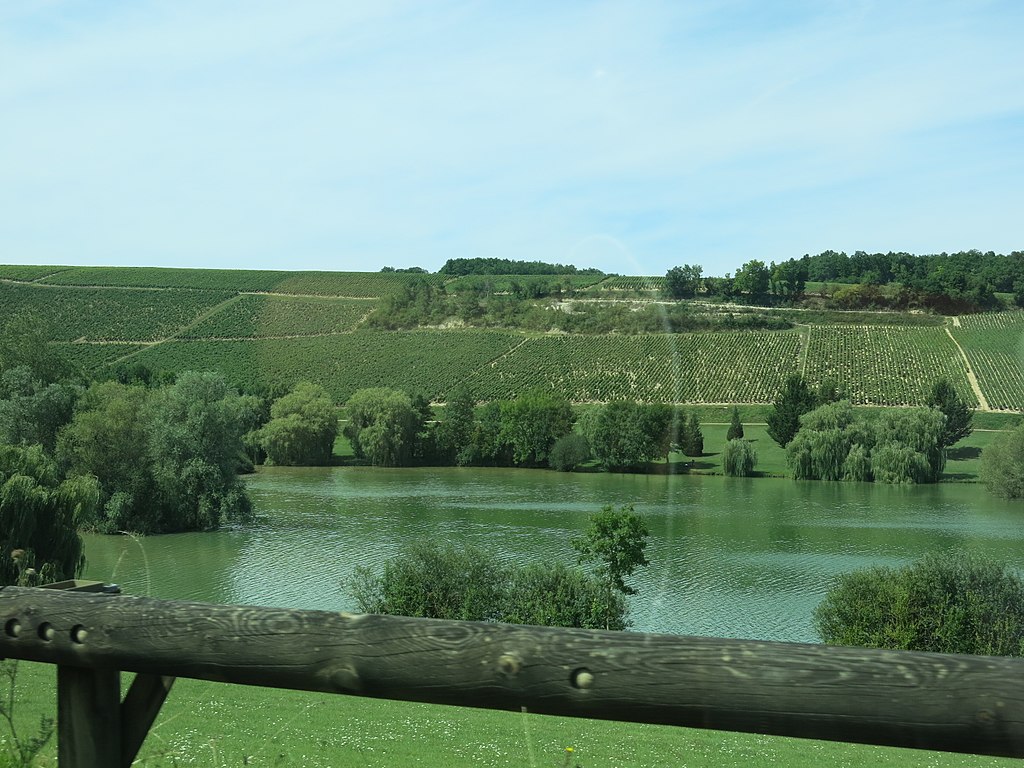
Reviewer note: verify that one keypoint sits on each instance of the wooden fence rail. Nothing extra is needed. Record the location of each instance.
(929, 701)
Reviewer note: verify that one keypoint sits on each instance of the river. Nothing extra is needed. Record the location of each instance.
(730, 557)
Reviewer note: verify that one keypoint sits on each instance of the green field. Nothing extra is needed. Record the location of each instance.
(221, 725)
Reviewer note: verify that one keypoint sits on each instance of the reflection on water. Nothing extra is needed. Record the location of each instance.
(729, 557)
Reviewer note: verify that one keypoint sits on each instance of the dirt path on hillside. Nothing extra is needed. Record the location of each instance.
(971, 378)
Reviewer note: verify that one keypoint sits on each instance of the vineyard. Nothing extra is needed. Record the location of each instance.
(105, 314)
(724, 367)
(994, 345)
(430, 362)
(26, 273)
(252, 316)
(275, 328)
(349, 284)
(629, 283)
(885, 365)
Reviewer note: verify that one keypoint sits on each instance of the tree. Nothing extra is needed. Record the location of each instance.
(568, 452)
(794, 399)
(959, 415)
(682, 282)
(739, 458)
(752, 278)
(532, 423)
(39, 517)
(615, 540)
(302, 428)
(628, 435)
(735, 426)
(382, 426)
(32, 413)
(691, 438)
(455, 432)
(1002, 464)
(194, 442)
(952, 602)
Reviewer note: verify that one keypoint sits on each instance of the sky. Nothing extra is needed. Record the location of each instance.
(628, 136)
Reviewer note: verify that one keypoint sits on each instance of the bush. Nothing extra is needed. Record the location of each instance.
(435, 581)
(739, 458)
(948, 603)
(568, 452)
(1002, 465)
(554, 595)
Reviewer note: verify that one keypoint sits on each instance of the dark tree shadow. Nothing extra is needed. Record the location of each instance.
(963, 453)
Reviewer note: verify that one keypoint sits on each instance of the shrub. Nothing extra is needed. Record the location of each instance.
(739, 458)
(948, 603)
(1002, 465)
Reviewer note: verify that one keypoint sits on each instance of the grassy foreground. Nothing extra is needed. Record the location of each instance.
(210, 724)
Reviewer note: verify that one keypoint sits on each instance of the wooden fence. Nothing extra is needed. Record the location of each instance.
(929, 701)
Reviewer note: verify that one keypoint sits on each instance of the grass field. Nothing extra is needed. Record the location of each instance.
(220, 725)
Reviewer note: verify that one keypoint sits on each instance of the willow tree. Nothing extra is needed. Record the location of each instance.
(39, 517)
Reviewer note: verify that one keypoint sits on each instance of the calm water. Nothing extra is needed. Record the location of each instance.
(730, 557)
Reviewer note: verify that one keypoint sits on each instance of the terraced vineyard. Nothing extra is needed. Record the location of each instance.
(92, 357)
(994, 345)
(431, 362)
(106, 314)
(885, 365)
(256, 316)
(723, 367)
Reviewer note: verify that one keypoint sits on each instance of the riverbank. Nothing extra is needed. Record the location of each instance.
(963, 461)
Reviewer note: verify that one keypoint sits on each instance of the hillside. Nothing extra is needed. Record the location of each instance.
(268, 328)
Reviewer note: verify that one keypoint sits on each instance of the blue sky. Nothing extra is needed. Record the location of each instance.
(630, 136)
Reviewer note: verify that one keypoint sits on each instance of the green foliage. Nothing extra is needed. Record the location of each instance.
(382, 426)
(433, 580)
(735, 426)
(302, 428)
(739, 458)
(835, 443)
(32, 413)
(753, 278)
(166, 459)
(39, 517)
(949, 603)
(24, 343)
(455, 431)
(959, 415)
(683, 282)
(568, 452)
(491, 266)
(532, 423)
(615, 540)
(691, 438)
(793, 400)
(1002, 465)
(554, 595)
(628, 435)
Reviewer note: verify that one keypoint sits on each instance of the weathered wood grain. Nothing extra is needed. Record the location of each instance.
(139, 709)
(88, 717)
(929, 701)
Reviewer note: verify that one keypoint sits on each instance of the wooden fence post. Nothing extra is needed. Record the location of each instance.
(88, 717)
